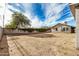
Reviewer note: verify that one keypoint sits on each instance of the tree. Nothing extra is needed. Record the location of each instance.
(11, 25)
(18, 20)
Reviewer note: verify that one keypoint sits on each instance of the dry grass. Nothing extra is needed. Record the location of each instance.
(43, 44)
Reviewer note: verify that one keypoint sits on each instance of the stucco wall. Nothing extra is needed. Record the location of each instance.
(0, 33)
(72, 7)
(59, 29)
(77, 28)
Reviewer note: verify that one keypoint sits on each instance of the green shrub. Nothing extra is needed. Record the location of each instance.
(41, 30)
(30, 29)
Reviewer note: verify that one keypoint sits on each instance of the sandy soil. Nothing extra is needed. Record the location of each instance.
(45, 44)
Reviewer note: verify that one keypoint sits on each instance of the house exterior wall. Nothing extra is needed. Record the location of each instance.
(77, 28)
(60, 29)
(72, 7)
(66, 29)
(69, 29)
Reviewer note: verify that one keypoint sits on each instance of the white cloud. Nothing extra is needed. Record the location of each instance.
(50, 8)
(7, 16)
(2, 7)
(53, 9)
(1, 20)
(36, 23)
(68, 19)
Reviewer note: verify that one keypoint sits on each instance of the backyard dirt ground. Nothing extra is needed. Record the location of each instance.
(44, 44)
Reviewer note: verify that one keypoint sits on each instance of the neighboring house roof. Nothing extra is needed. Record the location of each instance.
(60, 24)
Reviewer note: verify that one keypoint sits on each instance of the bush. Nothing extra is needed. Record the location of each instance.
(30, 29)
(36, 29)
(41, 30)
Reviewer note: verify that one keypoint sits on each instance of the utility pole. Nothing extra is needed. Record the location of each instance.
(4, 17)
(2, 28)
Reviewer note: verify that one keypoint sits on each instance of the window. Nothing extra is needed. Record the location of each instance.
(66, 29)
(56, 29)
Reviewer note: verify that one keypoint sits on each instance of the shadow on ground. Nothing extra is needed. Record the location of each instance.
(37, 35)
(42, 35)
(4, 48)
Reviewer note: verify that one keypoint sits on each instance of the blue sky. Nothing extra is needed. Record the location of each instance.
(42, 14)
